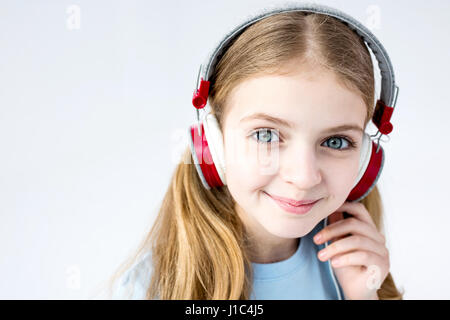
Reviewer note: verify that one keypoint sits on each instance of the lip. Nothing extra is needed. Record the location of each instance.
(291, 201)
(298, 209)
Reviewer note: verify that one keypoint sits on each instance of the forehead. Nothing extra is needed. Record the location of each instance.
(300, 97)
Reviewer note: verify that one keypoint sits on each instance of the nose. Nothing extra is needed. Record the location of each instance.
(299, 167)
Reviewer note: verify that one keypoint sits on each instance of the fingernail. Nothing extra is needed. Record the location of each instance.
(317, 237)
(322, 254)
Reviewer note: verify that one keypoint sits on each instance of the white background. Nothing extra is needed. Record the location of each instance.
(91, 117)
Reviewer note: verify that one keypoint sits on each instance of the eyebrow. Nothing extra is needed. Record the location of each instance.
(286, 123)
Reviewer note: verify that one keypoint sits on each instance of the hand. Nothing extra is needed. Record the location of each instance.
(363, 259)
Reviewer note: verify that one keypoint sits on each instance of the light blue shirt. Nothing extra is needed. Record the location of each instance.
(300, 277)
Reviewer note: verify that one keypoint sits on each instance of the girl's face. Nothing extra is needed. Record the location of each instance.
(304, 160)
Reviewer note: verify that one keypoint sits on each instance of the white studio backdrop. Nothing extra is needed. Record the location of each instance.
(95, 95)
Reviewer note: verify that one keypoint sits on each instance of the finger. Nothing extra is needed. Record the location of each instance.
(358, 210)
(369, 263)
(359, 258)
(348, 226)
(352, 243)
(333, 218)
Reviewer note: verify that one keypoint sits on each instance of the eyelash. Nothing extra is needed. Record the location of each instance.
(352, 144)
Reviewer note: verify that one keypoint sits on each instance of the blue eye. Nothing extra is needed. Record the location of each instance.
(336, 142)
(266, 136)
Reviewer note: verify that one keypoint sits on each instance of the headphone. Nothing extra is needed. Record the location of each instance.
(205, 137)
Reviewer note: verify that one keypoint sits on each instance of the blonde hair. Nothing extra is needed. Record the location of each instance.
(198, 243)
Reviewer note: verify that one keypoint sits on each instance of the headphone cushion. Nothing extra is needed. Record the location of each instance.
(215, 143)
(364, 157)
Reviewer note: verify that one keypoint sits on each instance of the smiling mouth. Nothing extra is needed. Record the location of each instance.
(297, 210)
(292, 202)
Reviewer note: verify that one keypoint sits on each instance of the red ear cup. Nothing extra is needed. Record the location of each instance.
(370, 173)
(203, 159)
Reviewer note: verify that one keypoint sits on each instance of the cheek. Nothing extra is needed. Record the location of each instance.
(341, 174)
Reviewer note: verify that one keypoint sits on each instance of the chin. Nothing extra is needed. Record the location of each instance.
(290, 229)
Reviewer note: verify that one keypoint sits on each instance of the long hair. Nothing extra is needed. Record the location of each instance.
(198, 243)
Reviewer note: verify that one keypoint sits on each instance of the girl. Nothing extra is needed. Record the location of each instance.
(278, 93)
